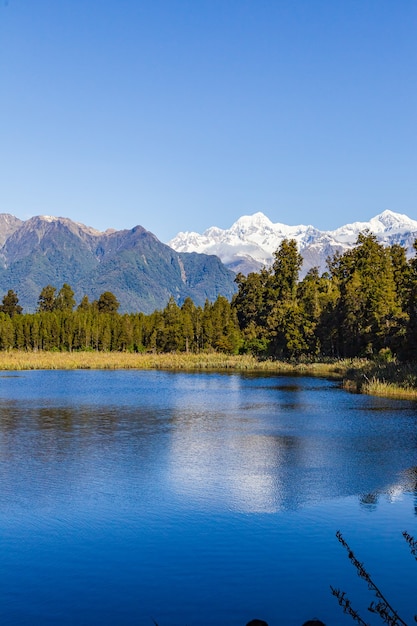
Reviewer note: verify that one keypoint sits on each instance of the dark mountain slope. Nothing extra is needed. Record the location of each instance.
(43, 252)
(206, 276)
(140, 270)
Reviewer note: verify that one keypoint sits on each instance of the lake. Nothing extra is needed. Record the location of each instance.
(197, 499)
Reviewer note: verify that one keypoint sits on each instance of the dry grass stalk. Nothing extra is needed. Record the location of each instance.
(21, 360)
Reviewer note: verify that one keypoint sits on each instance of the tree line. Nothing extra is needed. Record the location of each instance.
(365, 304)
(59, 324)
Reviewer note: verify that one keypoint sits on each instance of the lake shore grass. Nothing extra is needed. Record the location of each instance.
(21, 360)
(390, 380)
(357, 375)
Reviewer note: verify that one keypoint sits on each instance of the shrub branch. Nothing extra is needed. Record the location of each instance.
(382, 607)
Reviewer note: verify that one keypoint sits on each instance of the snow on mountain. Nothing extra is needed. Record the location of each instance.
(250, 242)
(384, 225)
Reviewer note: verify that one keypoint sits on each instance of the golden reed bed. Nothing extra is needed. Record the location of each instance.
(20, 360)
(357, 374)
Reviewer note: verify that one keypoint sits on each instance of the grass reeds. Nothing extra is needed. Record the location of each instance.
(358, 375)
(392, 380)
(21, 360)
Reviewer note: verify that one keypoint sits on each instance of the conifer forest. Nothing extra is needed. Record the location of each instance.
(364, 305)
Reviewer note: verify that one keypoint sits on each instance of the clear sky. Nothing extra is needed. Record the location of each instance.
(183, 114)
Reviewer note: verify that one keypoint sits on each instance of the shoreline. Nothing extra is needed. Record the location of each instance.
(356, 375)
(15, 360)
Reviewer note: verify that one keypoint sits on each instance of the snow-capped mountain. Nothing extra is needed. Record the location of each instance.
(250, 242)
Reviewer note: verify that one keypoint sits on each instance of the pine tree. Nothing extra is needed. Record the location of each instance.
(84, 305)
(47, 299)
(10, 304)
(188, 315)
(107, 303)
(250, 305)
(285, 270)
(368, 311)
(410, 347)
(284, 316)
(6, 332)
(172, 338)
(65, 300)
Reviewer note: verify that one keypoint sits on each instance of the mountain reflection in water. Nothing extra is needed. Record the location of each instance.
(285, 447)
(197, 498)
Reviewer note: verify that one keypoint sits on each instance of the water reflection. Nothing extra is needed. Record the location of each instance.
(274, 455)
(190, 490)
(269, 473)
(230, 443)
(407, 483)
(240, 473)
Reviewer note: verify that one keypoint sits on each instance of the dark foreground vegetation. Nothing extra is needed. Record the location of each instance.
(364, 306)
(380, 606)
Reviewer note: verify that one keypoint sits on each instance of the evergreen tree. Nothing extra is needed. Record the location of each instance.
(67, 330)
(82, 330)
(410, 347)
(6, 332)
(250, 304)
(225, 328)
(284, 316)
(207, 327)
(402, 274)
(19, 341)
(10, 304)
(137, 337)
(188, 318)
(368, 310)
(47, 299)
(31, 330)
(285, 270)
(107, 303)
(84, 305)
(172, 338)
(311, 299)
(65, 299)
(104, 332)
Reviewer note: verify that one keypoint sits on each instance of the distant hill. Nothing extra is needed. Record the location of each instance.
(250, 242)
(139, 269)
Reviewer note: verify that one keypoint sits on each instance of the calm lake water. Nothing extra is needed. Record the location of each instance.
(200, 499)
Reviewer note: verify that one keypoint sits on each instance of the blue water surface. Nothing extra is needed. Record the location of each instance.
(197, 499)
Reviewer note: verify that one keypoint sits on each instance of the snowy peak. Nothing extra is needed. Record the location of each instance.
(250, 224)
(396, 221)
(251, 241)
(385, 224)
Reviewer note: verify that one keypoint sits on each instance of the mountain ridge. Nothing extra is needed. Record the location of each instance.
(250, 242)
(144, 273)
(141, 271)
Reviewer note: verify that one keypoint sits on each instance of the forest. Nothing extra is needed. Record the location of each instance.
(364, 305)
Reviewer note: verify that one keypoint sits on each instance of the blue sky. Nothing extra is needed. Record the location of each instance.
(182, 114)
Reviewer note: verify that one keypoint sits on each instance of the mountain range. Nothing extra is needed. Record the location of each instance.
(144, 273)
(141, 271)
(250, 242)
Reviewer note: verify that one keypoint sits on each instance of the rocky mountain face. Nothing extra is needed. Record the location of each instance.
(8, 224)
(250, 242)
(142, 272)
